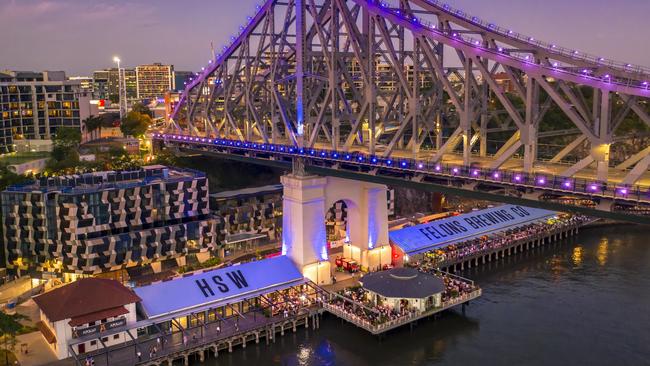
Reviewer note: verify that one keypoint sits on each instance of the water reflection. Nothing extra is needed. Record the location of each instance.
(601, 254)
(538, 308)
(577, 256)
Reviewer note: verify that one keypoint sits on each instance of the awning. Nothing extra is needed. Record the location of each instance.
(96, 316)
(243, 237)
(200, 290)
(441, 233)
(46, 331)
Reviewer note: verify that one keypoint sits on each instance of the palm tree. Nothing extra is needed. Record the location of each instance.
(93, 123)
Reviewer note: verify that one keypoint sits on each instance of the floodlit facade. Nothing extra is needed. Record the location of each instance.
(105, 221)
(34, 105)
(106, 84)
(154, 80)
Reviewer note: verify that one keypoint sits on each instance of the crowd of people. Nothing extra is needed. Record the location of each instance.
(289, 302)
(355, 302)
(491, 242)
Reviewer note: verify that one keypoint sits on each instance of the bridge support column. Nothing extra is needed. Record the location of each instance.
(529, 133)
(466, 115)
(601, 147)
(303, 238)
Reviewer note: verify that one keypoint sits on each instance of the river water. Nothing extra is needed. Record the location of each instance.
(583, 302)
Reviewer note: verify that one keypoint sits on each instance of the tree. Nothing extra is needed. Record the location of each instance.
(94, 123)
(65, 156)
(142, 109)
(135, 124)
(9, 326)
(67, 137)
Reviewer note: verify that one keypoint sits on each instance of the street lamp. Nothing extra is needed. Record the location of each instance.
(121, 87)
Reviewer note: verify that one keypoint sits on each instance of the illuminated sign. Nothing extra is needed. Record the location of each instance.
(436, 234)
(213, 286)
(100, 328)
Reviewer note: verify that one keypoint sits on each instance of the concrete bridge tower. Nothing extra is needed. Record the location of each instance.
(306, 199)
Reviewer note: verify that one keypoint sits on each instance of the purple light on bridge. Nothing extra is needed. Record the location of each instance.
(517, 178)
(593, 187)
(541, 181)
(496, 175)
(438, 168)
(420, 166)
(567, 184)
(623, 191)
(475, 173)
(455, 170)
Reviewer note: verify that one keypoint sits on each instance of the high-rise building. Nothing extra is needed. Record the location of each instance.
(154, 80)
(100, 84)
(85, 82)
(105, 221)
(34, 104)
(180, 78)
(106, 84)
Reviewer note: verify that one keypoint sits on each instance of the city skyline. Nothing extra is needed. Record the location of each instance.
(84, 36)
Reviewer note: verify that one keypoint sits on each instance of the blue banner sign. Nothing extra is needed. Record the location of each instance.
(188, 292)
(440, 233)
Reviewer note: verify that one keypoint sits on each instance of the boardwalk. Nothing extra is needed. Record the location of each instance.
(213, 336)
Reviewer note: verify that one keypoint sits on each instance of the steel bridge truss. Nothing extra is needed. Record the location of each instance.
(415, 79)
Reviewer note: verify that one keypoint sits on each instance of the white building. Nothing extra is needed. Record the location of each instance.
(404, 289)
(86, 307)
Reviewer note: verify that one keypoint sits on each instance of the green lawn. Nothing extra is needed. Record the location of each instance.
(23, 157)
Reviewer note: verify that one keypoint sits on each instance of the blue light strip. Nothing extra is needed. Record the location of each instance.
(632, 193)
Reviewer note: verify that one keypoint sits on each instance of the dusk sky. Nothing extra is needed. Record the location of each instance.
(79, 36)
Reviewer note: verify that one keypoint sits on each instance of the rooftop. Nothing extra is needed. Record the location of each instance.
(405, 283)
(85, 299)
(441, 233)
(105, 180)
(212, 287)
(248, 192)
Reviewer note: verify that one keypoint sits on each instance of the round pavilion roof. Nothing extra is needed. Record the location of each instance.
(405, 283)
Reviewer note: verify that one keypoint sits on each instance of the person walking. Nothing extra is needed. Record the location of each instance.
(139, 355)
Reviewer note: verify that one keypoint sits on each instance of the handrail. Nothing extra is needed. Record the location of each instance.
(560, 184)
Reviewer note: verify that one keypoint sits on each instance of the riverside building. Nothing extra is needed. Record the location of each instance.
(106, 221)
(33, 105)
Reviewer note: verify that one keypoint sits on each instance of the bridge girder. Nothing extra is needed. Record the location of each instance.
(410, 75)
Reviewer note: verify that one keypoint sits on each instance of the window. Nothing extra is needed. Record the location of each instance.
(116, 336)
(92, 343)
(105, 339)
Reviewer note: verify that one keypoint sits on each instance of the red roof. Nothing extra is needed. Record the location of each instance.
(84, 297)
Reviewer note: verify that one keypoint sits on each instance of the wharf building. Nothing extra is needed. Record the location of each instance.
(86, 307)
(107, 221)
(33, 105)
